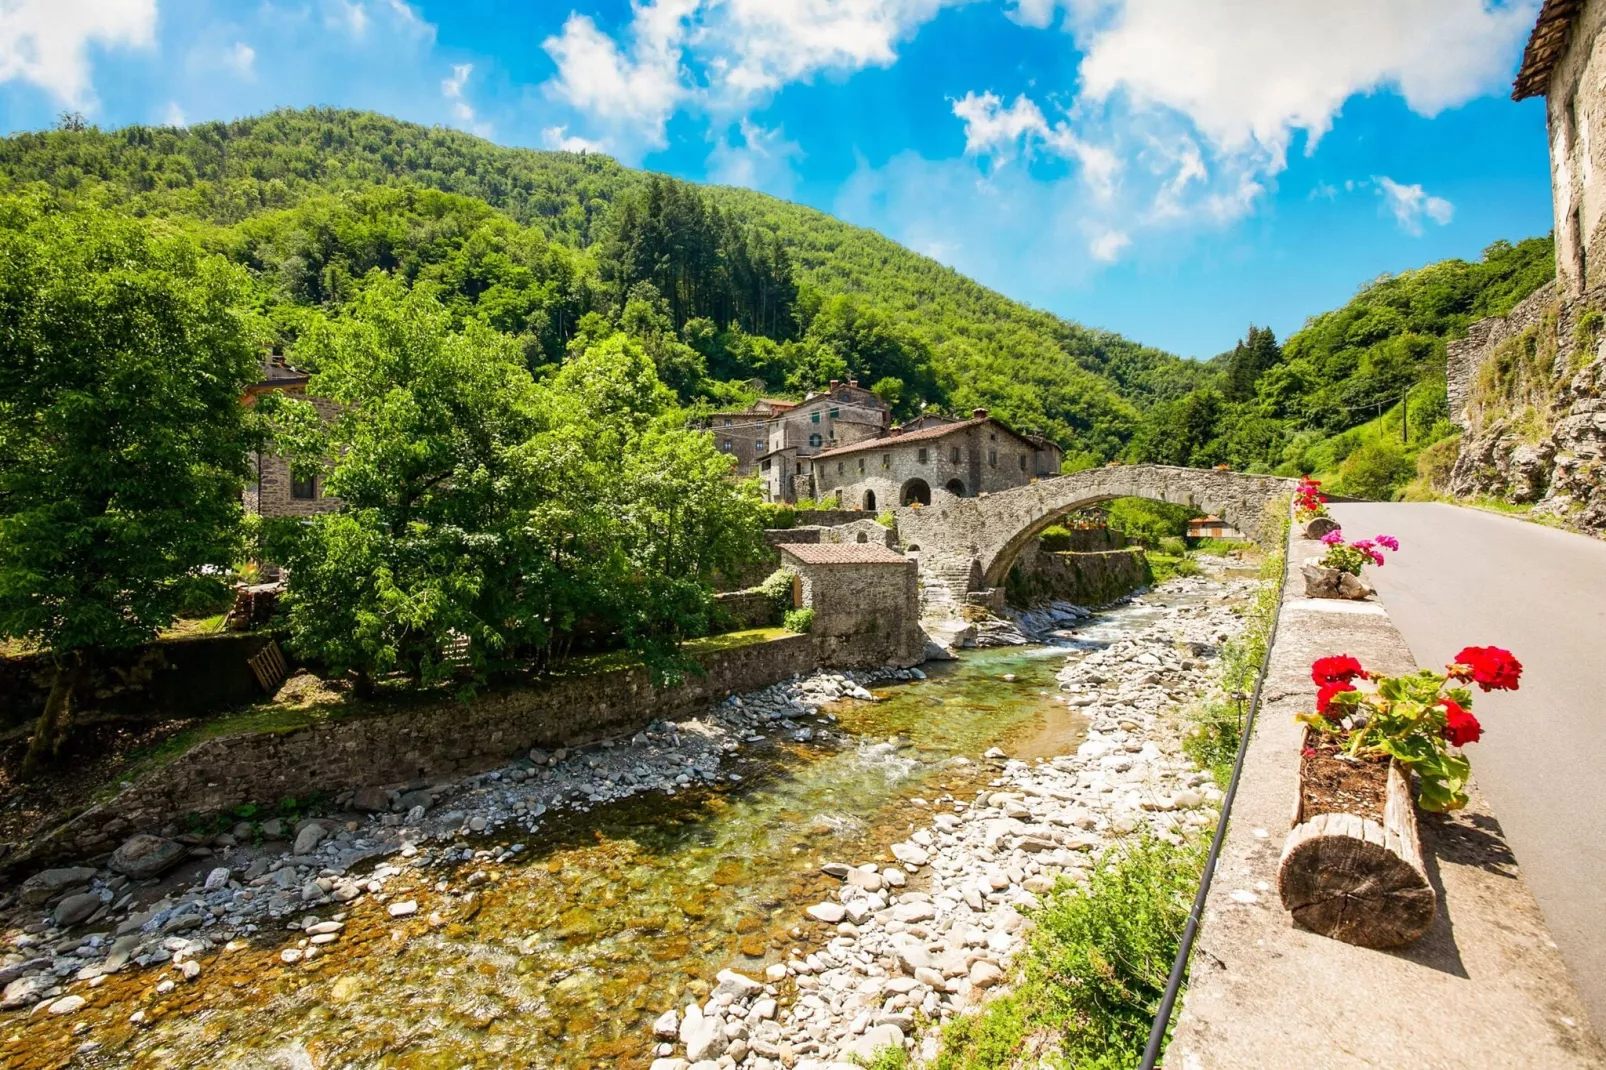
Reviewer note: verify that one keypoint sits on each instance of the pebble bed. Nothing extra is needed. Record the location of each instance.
(927, 933)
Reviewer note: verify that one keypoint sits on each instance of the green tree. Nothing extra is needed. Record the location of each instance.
(429, 458)
(122, 438)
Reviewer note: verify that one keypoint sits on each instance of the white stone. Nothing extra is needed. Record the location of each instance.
(830, 913)
(402, 909)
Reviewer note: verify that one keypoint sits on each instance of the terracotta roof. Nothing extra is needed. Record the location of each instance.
(842, 553)
(1545, 46)
(925, 434)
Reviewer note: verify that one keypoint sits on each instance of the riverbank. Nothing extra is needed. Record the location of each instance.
(490, 931)
(922, 934)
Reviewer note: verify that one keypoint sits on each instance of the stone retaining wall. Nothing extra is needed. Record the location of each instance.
(422, 740)
(168, 678)
(1085, 579)
(752, 608)
(1464, 356)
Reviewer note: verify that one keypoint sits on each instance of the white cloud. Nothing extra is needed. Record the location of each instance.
(633, 89)
(46, 42)
(1107, 245)
(763, 161)
(1035, 13)
(1251, 73)
(174, 115)
(241, 59)
(757, 46)
(995, 131)
(559, 138)
(348, 15)
(462, 110)
(1411, 204)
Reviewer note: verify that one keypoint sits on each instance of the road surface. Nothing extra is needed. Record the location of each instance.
(1463, 578)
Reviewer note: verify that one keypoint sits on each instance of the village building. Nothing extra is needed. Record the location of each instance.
(962, 458)
(773, 439)
(1212, 527)
(1565, 62)
(274, 490)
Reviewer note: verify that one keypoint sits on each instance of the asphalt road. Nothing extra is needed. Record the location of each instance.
(1469, 578)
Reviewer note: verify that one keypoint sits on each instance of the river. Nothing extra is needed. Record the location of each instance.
(565, 954)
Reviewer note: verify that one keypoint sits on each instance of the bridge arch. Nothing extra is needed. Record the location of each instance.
(981, 537)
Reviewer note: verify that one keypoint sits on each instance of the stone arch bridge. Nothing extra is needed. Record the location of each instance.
(969, 544)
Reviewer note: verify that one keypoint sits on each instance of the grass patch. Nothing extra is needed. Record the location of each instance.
(1215, 727)
(1222, 547)
(1163, 566)
(1093, 969)
(890, 1057)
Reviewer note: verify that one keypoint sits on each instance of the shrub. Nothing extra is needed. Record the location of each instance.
(777, 587)
(1055, 538)
(777, 515)
(886, 519)
(1374, 471)
(799, 620)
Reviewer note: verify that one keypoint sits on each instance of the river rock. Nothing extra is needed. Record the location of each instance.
(145, 856)
(49, 883)
(868, 879)
(24, 991)
(910, 854)
(738, 985)
(372, 800)
(829, 913)
(874, 1039)
(402, 910)
(667, 1027)
(68, 1004)
(308, 839)
(670, 1064)
(984, 974)
(703, 1037)
(75, 908)
(218, 878)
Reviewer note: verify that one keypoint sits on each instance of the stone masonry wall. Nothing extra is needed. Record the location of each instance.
(990, 460)
(270, 494)
(1463, 357)
(419, 740)
(865, 614)
(1090, 578)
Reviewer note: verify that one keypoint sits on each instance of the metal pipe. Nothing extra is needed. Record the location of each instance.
(1162, 1018)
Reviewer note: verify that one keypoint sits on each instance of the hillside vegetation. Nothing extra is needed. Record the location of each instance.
(727, 287)
(311, 200)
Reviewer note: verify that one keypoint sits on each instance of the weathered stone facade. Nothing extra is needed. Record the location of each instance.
(866, 603)
(273, 490)
(772, 437)
(1529, 389)
(1092, 578)
(966, 544)
(958, 460)
(425, 739)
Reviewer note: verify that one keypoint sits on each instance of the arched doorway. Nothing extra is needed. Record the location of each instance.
(955, 487)
(869, 500)
(915, 491)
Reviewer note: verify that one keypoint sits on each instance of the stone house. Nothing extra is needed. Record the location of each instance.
(866, 602)
(273, 490)
(964, 458)
(1565, 62)
(771, 438)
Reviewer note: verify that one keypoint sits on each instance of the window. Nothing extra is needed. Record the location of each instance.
(814, 417)
(886, 460)
(923, 457)
(953, 455)
(1023, 462)
(758, 446)
(841, 467)
(861, 464)
(727, 423)
(815, 439)
(992, 458)
(766, 465)
(994, 438)
(835, 413)
(304, 489)
(728, 445)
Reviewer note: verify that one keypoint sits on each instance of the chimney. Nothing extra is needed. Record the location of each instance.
(835, 383)
(896, 431)
(980, 414)
(853, 382)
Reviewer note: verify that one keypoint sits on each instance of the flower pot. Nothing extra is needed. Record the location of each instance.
(1324, 582)
(1318, 526)
(1352, 866)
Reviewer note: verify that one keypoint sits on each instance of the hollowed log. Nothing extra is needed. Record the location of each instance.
(1347, 877)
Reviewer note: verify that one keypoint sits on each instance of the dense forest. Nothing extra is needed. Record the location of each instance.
(727, 288)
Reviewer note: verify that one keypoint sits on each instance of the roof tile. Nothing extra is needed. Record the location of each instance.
(842, 553)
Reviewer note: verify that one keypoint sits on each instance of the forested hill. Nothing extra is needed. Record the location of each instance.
(304, 193)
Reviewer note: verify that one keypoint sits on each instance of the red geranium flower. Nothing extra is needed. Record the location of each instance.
(1324, 697)
(1460, 727)
(1489, 666)
(1338, 668)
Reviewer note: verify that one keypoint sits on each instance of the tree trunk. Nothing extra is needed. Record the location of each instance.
(363, 685)
(50, 732)
(1349, 878)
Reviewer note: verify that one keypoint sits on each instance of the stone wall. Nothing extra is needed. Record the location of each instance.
(1575, 117)
(990, 459)
(1463, 357)
(168, 678)
(270, 492)
(864, 613)
(831, 517)
(424, 739)
(1092, 578)
(751, 608)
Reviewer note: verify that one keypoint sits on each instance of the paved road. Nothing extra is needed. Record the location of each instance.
(1470, 578)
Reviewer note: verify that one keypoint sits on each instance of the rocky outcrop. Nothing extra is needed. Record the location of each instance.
(1529, 392)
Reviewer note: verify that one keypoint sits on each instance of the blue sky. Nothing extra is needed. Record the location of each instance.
(1170, 169)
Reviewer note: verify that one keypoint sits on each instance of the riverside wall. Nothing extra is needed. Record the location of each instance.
(421, 740)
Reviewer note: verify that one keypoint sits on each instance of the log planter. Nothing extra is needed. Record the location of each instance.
(1355, 874)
